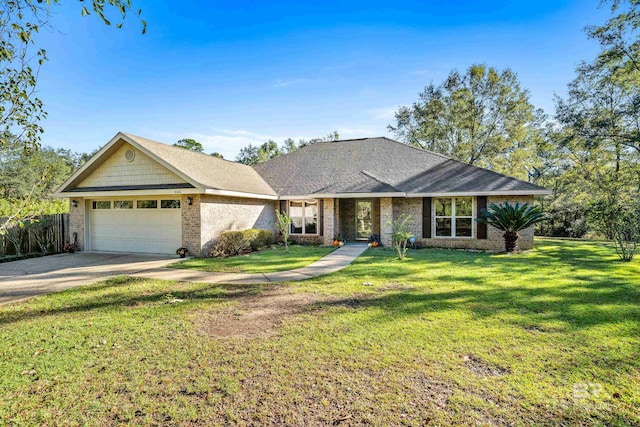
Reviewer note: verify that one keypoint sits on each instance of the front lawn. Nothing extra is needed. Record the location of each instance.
(444, 337)
(265, 261)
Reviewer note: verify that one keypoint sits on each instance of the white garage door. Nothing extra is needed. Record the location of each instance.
(135, 225)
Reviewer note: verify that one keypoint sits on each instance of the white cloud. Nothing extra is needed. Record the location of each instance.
(385, 113)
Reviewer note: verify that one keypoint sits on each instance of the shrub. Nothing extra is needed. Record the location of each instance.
(284, 226)
(238, 242)
(401, 233)
(626, 231)
(251, 236)
(231, 243)
(511, 219)
(265, 238)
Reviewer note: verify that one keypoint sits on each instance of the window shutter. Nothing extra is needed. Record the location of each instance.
(426, 217)
(481, 227)
(320, 217)
(283, 206)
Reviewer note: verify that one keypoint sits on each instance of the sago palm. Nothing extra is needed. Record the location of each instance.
(511, 219)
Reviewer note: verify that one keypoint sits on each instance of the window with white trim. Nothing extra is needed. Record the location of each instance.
(453, 216)
(304, 216)
(123, 204)
(101, 204)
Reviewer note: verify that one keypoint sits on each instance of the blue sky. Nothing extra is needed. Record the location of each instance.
(233, 73)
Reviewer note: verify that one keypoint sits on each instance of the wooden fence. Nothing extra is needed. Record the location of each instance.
(48, 234)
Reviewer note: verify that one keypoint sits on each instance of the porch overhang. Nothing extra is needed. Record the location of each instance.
(342, 196)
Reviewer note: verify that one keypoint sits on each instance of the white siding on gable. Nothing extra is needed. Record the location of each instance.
(143, 170)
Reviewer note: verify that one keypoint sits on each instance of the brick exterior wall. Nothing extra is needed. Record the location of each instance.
(387, 208)
(411, 206)
(307, 240)
(525, 242)
(221, 213)
(329, 221)
(386, 214)
(494, 240)
(76, 221)
(191, 220)
(208, 216)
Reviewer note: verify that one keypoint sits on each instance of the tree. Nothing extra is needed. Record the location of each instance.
(401, 233)
(190, 144)
(618, 37)
(249, 155)
(626, 229)
(20, 21)
(599, 135)
(482, 117)
(254, 154)
(216, 154)
(283, 222)
(511, 219)
(27, 179)
(20, 60)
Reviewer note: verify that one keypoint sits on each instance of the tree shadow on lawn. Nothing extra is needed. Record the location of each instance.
(115, 294)
(599, 295)
(580, 285)
(577, 306)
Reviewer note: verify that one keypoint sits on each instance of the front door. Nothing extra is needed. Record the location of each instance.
(364, 219)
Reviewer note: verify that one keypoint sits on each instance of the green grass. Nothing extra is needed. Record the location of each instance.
(443, 337)
(264, 261)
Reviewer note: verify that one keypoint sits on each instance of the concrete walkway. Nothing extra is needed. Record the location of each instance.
(336, 260)
(24, 279)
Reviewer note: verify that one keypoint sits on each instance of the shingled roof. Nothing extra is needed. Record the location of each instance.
(200, 171)
(381, 166)
(208, 171)
(346, 168)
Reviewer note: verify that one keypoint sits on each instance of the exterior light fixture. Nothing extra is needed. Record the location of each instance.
(74, 203)
(189, 201)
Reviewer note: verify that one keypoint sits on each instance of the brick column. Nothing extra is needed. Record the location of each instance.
(76, 221)
(191, 227)
(329, 221)
(386, 215)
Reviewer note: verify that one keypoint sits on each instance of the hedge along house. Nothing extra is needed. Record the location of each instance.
(137, 195)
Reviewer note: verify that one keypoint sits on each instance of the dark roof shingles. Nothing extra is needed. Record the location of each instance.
(378, 165)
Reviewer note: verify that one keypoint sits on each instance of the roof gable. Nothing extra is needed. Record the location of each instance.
(208, 171)
(205, 173)
(117, 170)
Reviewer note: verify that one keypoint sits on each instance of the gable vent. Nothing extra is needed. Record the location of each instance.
(129, 155)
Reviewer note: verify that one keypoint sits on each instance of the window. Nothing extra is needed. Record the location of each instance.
(169, 204)
(304, 217)
(147, 204)
(453, 216)
(123, 204)
(102, 204)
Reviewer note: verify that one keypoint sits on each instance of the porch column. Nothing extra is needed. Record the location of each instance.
(329, 221)
(386, 215)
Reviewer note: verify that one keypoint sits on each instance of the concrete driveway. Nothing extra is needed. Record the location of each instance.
(36, 276)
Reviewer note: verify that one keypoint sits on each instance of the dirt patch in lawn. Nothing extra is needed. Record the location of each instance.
(394, 287)
(481, 367)
(261, 315)
(428, 391)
